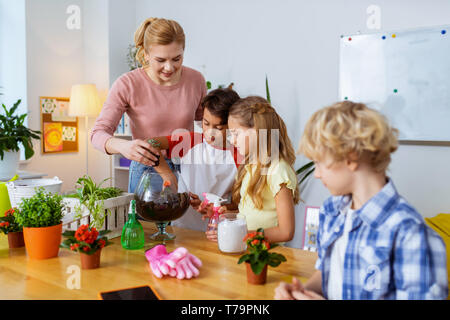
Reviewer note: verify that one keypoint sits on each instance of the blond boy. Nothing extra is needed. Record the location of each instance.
(372, 244)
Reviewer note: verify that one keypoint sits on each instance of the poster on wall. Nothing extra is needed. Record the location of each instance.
(59, 130)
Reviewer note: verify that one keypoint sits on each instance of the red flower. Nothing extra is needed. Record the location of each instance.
(9, 212)
(255, 242)
(101, 242)
(86, 249)
(7, 224)
(266, 244)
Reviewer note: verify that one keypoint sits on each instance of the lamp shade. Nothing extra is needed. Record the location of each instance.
(84, 101)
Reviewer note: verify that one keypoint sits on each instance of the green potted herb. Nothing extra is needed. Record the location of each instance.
(13, 134)
(10, 227)
(88, 242)
(41, 219)
(258, 257)
(92, 197)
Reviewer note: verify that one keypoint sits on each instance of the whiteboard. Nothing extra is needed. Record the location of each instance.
(405, 75)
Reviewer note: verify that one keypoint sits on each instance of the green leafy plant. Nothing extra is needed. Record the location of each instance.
(258, 252)
(92, 196)
(8, 222)
(85, 240)
(306, 170)
(13, 132)
(44, 209)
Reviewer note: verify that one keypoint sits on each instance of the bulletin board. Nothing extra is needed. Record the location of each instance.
(405, 75)
(59, 131)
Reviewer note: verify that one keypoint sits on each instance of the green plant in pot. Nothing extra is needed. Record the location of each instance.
(92, 196)
(41, 219)
(258, 257)
(13, 133)
(10, 227)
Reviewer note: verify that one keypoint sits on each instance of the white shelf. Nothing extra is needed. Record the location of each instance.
(121, 135)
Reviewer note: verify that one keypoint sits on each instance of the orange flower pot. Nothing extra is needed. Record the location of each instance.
(42, 243)
(90, 261)
(15, 240)
(253, 278)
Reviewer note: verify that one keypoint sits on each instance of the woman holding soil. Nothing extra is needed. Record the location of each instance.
(159, 98)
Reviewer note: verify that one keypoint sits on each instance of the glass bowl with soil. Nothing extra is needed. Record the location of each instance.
(160, 202)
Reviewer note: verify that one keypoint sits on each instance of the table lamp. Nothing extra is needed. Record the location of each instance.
(84, 102)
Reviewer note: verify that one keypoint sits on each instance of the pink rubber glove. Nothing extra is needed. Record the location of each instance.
(157, 257)
(179, 263)
(188, 267)
(185, 264)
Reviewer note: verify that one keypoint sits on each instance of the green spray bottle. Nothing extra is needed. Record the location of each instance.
(132, 232)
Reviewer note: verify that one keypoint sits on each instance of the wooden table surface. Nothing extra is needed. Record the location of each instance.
(220, 276)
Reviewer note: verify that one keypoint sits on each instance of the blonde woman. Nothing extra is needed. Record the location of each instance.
(160, 97)
(266, 188)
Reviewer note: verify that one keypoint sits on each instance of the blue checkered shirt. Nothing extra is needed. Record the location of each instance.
(391, 253)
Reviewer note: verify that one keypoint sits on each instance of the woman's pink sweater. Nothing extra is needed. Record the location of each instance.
(154, 110)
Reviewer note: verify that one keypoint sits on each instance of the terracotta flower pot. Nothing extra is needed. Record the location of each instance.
(15, 240)
(256, 278)
(42, 243)
(91, 261)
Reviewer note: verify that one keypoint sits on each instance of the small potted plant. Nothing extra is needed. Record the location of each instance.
(41, 219)
(10, 227)
(88, 242)
(13, 134)
(258, 257)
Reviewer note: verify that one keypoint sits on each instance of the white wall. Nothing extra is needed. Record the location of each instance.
(13, 54)
(57, 58)
(296, 43)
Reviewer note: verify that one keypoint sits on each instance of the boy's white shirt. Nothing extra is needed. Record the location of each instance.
(336, 277)
(205, 169)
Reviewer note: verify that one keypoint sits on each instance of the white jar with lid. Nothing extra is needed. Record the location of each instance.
(231, 231)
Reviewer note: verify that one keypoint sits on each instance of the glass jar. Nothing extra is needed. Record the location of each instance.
(157, 201)
(231, 231)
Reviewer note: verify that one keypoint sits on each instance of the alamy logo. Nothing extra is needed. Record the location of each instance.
(373, 278)
(74, 280)
(73, 22)
(374, 20)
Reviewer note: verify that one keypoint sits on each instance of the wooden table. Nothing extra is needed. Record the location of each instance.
(220, 277)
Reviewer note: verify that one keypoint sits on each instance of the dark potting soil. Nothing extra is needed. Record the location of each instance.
(164, 209)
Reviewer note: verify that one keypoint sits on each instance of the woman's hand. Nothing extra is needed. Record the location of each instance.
(140, 151)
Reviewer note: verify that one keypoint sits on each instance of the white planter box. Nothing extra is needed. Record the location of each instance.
(114, 219)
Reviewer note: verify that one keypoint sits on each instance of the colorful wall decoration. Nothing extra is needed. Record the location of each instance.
(59, 130)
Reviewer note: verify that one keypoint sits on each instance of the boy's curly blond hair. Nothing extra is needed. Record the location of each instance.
(346, 128)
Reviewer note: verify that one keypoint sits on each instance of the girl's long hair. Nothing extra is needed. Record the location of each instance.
(258, 114)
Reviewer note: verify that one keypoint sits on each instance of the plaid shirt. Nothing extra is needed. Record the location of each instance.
(391, 252)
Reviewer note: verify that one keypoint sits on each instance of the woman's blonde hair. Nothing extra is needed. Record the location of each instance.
(156, 31)
(347, 128)
(257, 113)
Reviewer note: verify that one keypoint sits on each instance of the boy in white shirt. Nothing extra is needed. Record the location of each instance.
(206, 160)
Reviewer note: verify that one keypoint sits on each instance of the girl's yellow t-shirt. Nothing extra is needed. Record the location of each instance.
(277, 174)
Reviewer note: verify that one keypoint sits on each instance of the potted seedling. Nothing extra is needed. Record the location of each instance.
(92, 203)
(258, 257)
(10, 227)
(88, 242)
(41, 219)
(13, 134)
